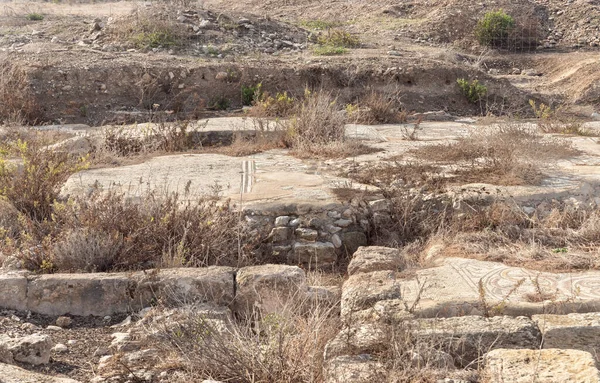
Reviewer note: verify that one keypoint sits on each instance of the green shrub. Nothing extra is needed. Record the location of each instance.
(35, 17)
(473, 90)
(155, 39)
(328, 50)
(251, 93)
(338, 38)
(494, 29)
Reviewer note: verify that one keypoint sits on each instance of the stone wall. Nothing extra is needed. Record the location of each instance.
(311, 235)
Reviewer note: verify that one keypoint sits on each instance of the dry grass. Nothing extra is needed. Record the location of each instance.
(285, 347)
(148, 28)
(506, 155)
(377, 108)
(17, 101)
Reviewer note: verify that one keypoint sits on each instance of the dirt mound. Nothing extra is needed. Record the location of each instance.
(198, 32)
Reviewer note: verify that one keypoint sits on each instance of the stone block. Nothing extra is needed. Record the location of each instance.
(573, 331)
(376, 258)
(316, 254)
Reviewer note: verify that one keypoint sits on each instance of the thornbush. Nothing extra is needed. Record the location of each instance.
(495, 29)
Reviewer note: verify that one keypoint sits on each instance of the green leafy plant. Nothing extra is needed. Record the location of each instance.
(473, 90)
(251, 93)
(494, 29)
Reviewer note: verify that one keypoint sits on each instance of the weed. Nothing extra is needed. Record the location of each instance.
(155, 39)
(328, 50)
(338, 38)
(35, 16)
(251, 93)
(555, 121)
(16, 97)
(219, 103)
(472, 90)
(376, 108)
(319, 25)
(282, 105)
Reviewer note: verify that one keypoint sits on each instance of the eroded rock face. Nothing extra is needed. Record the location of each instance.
(14, 374)
(548, 366)
(376, 258)
(268, 288)
(32, 349)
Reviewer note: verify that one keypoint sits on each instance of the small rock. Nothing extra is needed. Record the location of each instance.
(343, 222)
(60, 348)
(53, 328)
(221, 76)
(63, 322)
(307, 234)
(282, 220)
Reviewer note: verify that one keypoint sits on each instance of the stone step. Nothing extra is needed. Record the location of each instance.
(572, 331)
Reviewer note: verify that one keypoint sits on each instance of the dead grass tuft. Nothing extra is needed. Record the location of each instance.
(505, 155)
(377, 108)
(17, 102)
(286, 346)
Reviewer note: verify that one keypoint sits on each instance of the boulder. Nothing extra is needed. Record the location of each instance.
(543, 366)
(376, 258)
(32, 349)
(13, 291)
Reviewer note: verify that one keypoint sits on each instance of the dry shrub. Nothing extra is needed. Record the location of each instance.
(115, 233)
(17, 101)
(147, 28)
(318, 129)
(266, 135)
(286, 346)
(33, 180)
(505, 155)
(377, 108)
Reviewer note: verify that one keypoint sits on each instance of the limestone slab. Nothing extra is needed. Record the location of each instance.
(541, 366)
(573, 331)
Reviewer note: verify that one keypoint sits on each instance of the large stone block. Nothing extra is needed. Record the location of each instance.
(362, 291)
(186, 285)
(269, 288)
(31, 349)
(105, 294)
(13, 292)
(80, 294)
(470, 337)
(541, 366)
(376, 258)
(574, 331)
